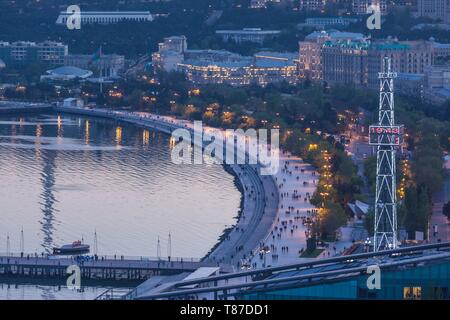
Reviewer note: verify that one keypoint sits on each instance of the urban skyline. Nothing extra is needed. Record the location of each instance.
(225, 150)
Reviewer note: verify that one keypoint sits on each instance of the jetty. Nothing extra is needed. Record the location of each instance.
(13, 107)
(109, 268)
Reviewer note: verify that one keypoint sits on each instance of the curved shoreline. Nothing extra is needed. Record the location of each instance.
(261, 211)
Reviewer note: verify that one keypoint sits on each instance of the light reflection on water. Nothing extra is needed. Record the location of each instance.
(63, 178)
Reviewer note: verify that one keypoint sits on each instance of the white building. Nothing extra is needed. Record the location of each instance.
(434, 9)
(107, 17)
(73, 103)
(360, 6)
(107, 65)
(256, 35)
(262, 69)
(170, 53)
(323, 23)
(25, 52)
(66, 74)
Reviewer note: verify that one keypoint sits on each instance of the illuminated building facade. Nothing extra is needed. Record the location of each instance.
(220, 66)
(103, 17)
(261, 69)
(255, 35)
(310, 52)
(25, 52)
(345, 61)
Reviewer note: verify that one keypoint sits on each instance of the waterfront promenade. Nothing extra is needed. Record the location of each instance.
(260, 207)
(260, 192)
(275, 207)
(296, 183)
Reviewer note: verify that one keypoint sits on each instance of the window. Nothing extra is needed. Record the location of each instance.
(412, 293)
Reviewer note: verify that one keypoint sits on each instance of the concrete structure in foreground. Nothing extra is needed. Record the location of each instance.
(107, 17)
(416, 272)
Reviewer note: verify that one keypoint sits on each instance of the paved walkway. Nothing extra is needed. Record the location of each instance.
(260, 204)
(296, 182)
(437, 218)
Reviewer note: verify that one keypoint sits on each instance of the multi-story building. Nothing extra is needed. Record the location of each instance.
(409, 84)
(259, 4)
(435, 9)
(310, 52)
(170, 53)
(360, 6)
(174, 43)
(437, 83)
(24, 52)
(107, 65)
(328, 22)
(261, 69)
(408, 57)
(312, 5)
(220, 66)
(105, 17)
(256, 35)
(345, 61)
(441, 50)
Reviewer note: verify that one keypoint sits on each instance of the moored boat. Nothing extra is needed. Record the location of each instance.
(75, 248)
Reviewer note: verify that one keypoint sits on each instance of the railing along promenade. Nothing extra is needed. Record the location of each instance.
(95, 267)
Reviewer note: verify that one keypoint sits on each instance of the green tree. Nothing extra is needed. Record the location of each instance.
(446, 210)
(334, 217)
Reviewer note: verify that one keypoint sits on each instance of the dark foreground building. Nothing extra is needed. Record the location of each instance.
(416, 272)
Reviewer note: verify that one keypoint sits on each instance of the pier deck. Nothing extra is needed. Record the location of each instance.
(100, 269)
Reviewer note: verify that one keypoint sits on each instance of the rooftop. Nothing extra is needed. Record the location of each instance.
(69, 72)
(258, 31)
(335, 35)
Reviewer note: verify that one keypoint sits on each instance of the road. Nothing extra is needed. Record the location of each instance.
(437, 218)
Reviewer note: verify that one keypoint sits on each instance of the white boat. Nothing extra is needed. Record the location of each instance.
(75, 248)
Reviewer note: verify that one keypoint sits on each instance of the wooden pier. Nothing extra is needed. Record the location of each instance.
(95, 269)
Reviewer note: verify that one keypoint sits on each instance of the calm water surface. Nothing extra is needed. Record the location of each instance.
(63, 178)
